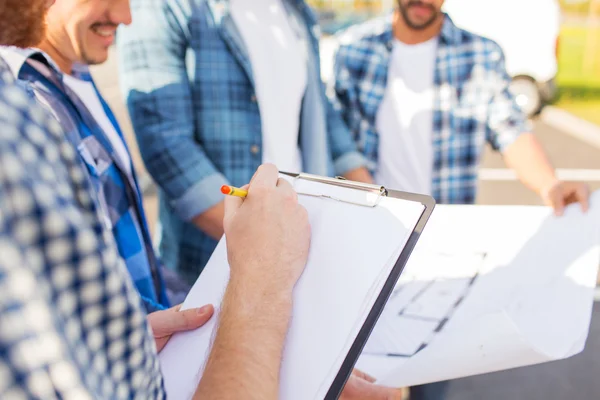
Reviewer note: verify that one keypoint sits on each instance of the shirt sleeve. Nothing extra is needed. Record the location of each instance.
(66, 300)
(343, 95)
(346, 155)
(505, 121)
(156, 87)
(35, 361)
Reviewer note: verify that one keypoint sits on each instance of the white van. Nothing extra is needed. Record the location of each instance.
(527, 31)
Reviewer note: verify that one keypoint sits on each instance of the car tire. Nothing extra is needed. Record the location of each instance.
(527, 95)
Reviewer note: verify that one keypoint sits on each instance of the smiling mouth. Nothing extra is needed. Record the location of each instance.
(104, 31)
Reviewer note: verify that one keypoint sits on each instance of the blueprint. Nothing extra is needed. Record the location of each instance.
(488, 288)
(423, 301)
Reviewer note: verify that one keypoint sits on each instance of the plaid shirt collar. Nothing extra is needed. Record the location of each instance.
(16, 57)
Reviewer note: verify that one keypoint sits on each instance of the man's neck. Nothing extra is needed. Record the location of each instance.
(65, 65)
(408, 35)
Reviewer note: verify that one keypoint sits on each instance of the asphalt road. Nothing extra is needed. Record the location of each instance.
(564, 151)
(573, 379)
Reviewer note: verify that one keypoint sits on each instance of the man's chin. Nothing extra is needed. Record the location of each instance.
(93, 55)
(96, 59)
(420, 24)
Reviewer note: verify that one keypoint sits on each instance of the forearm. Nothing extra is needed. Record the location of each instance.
(359, 175)
(211, 221)
(529, 160)
(246, 354)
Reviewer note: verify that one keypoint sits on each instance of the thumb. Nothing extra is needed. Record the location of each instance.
(555, 199)
(232, 204)
(558, 203)
(167, 322)
(362, 375)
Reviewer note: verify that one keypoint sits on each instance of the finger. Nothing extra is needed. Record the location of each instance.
(357, 388)
(363, 375)
(266, 176)
(557, 202)
(232, 204)
(284, 184)
(287, 188)
(167, 322)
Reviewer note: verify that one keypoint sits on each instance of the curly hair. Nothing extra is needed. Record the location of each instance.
(23, 22)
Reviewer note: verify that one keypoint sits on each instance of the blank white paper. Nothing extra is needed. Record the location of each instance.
(353, 249)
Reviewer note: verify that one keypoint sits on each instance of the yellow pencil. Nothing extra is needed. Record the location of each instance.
(233, 191)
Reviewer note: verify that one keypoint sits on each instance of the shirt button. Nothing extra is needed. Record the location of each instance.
(254, 149)
(253, 99)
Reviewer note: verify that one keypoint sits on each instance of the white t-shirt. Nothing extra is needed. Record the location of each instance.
(278, 58)
(405, 119)
(87, 94)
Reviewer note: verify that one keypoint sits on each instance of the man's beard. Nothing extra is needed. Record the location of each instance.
(23, 22)
(404, 6)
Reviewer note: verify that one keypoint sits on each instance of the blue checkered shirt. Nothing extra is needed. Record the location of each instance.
(472, 102)
(117, 192)
(188, 82)
(72, 325)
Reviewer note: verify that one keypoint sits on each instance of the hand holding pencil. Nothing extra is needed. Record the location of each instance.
(270, 215)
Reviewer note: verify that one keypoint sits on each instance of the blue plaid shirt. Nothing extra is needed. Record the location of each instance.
(472, 102)
(189, 86)
(72, 325)
(117, 192)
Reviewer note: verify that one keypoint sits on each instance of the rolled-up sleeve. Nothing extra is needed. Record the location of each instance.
(342, 93)
(343, 100)
(505, 121)
(155, 83)
(346, 156)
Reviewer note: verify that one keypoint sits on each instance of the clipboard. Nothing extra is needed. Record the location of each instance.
(428, 203)
(182, 372)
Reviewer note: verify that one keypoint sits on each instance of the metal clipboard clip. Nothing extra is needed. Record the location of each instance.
(380, 191)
